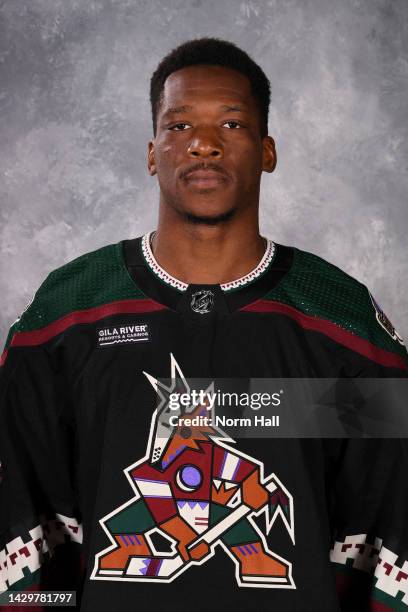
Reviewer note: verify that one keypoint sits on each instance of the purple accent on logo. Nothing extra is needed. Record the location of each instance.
(254, 548)
(248, 550)
(160, 496)
(148, 480)
(170, 459)
(191, 504)
(181, 504)
(143, 570)
(191, 476)
(223, 463)
(242, 551)
(203, 504)
(236, 469)
(124, 540)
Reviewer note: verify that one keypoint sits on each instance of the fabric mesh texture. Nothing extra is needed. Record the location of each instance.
(312, 286)
(320, 289)
(91, 280)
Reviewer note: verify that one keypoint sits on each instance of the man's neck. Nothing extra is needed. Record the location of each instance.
(200, 254)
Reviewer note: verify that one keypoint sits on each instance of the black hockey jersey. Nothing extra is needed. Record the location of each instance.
(100, 496)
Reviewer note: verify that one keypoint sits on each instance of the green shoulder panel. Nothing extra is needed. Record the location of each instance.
(322, 290)
(89, 281)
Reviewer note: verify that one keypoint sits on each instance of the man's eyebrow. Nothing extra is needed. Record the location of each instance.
(176, 110)
(234, 107)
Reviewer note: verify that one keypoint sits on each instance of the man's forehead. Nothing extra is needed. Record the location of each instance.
(202, 79)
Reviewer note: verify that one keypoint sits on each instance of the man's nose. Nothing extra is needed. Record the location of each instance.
(205, 144)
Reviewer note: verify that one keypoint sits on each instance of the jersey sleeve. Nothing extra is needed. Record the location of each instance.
(40, 524)
(383, 335)
(369, 514)
(369, 494)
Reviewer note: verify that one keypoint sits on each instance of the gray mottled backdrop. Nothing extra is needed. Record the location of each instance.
(75, 121)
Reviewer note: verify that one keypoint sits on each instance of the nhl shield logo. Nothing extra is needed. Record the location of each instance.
(202, 301)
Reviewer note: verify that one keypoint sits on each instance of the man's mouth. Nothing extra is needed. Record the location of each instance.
(205, 178)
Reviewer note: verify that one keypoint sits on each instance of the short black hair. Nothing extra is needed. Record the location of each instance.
(212, 51)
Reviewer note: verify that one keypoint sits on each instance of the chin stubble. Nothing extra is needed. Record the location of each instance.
(209, 220)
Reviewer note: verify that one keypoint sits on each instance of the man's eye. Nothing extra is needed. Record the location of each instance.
(175, 127)
(234, 123)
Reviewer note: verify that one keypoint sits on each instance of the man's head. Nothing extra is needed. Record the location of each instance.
(210, 104)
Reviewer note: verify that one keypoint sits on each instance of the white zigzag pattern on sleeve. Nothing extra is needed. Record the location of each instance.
(30, 554)
(374, 558)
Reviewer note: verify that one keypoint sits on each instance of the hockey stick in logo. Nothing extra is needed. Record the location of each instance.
(198, 492)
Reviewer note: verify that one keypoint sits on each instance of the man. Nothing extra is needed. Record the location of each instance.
(143, 506)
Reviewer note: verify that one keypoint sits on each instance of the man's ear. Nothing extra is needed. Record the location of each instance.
(269, 158)
(151, 165)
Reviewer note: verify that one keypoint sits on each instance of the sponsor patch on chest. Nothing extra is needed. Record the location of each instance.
(123, 334)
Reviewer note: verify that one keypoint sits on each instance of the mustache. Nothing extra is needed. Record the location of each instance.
(203, 166)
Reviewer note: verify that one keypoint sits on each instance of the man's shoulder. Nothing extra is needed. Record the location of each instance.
(317, 270)
(317, 283)
(87, 282)
(327, 298)
(91, 265)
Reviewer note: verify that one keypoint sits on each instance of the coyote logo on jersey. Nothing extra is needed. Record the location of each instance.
(194, 491)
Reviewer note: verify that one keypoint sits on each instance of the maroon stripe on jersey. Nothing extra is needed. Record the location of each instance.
(377, 606)
(332, 330)
(38, 336)
(3, 357)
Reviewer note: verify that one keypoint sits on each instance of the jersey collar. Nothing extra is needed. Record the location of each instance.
(253, 275)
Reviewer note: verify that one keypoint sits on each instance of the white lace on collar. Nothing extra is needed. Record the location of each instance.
(178, 284)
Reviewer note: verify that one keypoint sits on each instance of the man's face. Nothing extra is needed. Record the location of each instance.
(209, 123)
